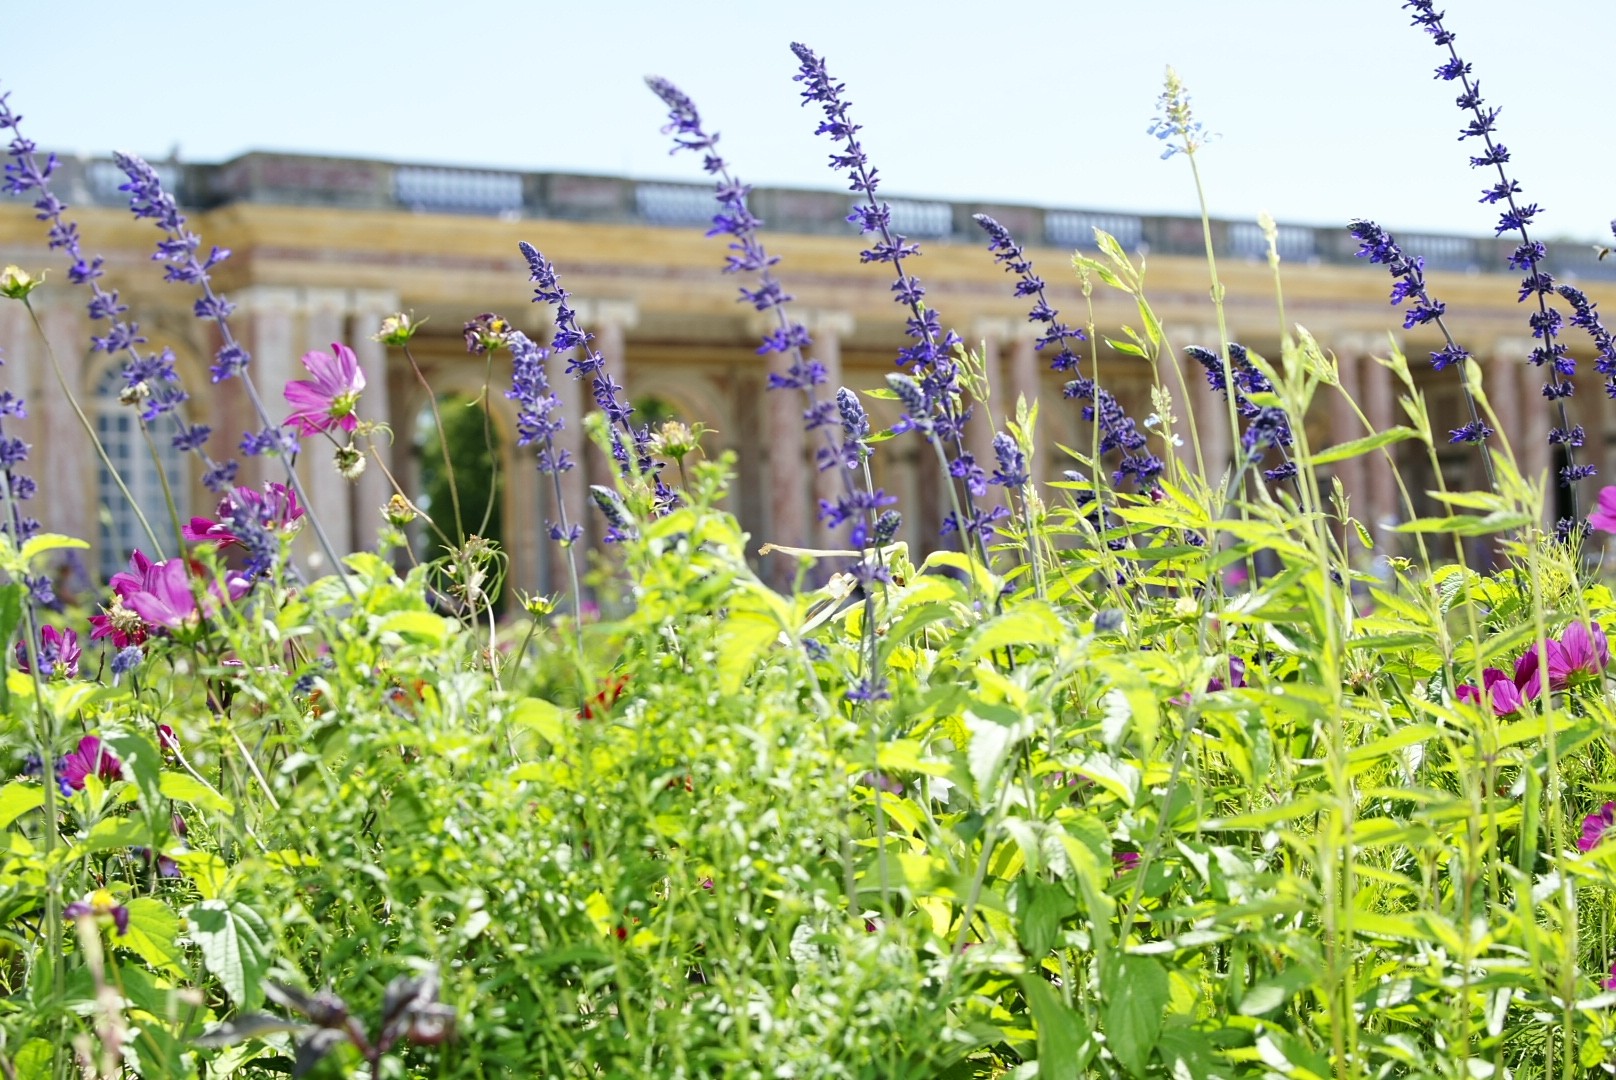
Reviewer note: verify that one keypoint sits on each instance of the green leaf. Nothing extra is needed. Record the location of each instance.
(1125, 348)
(17, 798)
(545, 717)
(38, 545)
(153, 935)
(142, 763)
(1031, 623)
(34, 1059)
(421, 625)
(185, 788)
(1273, 992)
(1365, 445)
(235, 945)
(1468, 524)
(1065, 1044)
(1137, 993)
(10, 615)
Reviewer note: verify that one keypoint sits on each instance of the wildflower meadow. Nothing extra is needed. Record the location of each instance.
(1148, 765)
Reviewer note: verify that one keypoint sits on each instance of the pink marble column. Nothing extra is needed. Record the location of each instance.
(988, 338)
(1345, 427)
(610, 321)
(325, 317)
(373, 489)
(270, 314)
(63, 461)
(1377, 397)
(828, 329)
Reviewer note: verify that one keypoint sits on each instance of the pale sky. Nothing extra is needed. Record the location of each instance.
(1327, 109)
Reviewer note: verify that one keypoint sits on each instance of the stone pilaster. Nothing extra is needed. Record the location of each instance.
(988, 416)
(610, 321)
(1376, 393)
(266, 323)
(828, 328)
(1210, 410)
(369, 307)
(63, 462)
(325, 317)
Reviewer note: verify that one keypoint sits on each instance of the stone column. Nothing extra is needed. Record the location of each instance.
(269, 335)
(610, 321)
(1535, 415)
(325, 317)
(828, 328)
(62, 461)
(989, 416)
(1377, 397)
(789, 522)
(1211, 412)
(370, 494)
(1345, 426)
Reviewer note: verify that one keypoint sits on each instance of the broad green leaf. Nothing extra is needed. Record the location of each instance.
(1468, 524)
(17, 798)
(182, 787)
(547, 718)
(10, 615)
(153, 935)
(1137, 993)
(1367, 444)
(1032, 623)
(235, 945)
(1065, 1044)
(38, 545)
(142, 763)
(1273, 992)
(421, 625)
(34, 1060)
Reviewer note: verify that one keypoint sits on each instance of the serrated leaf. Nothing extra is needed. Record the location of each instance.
(1137, 993)
(182, 787)
(154, 931)
(1065, 1044)
(235, 944)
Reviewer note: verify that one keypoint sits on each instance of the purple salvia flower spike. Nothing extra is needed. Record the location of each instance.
(929, 360)
(748, 255)
(1528, 256)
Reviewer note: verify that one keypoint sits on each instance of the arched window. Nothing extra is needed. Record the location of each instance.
(118, 427)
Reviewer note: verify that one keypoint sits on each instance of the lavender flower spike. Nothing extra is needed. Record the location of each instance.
(538, 422)
(1528, 255)
(150, 381)
(587, 363)
(748, 255)
(1377, 245)
(930, 359)
(1118, 430)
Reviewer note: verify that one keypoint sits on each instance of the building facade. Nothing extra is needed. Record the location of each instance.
(324, 249)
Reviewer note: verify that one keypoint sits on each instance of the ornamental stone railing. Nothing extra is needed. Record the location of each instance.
(306, 180)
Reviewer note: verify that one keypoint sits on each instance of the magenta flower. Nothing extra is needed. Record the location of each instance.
(1604, 519)
(329, 399)
(1582, 650)
(91, 758)
(1595, 826)
(1610, 980)
(1498, 688)
(165, 599)
(117, 621)
(1125, 861)
(58, 653)
(276, 507)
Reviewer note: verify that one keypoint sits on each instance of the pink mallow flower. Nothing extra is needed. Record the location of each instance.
(329, 399)
(1582, 650)
(91, 758)
(1498, 688)
(1595, 826)
(276, 506)
(165, 600)
(1604, 519)
(116, 621)
(58, 653)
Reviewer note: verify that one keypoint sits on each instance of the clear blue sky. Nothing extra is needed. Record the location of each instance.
(1327, 109)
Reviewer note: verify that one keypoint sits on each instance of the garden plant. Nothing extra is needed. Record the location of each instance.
(1149, 770)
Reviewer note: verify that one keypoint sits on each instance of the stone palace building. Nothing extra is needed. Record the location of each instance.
(325, 248)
